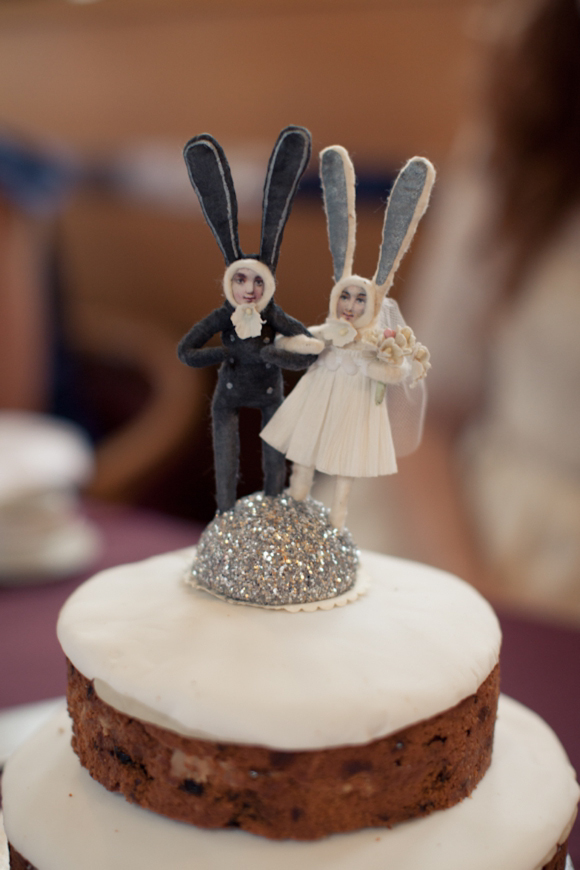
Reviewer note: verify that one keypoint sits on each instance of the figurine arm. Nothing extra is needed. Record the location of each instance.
(287, 359)
(386, 373)
(299, 344)
(294, 347)
(191, 350)
(317, 331)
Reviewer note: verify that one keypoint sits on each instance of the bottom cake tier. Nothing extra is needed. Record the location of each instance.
(518, 818)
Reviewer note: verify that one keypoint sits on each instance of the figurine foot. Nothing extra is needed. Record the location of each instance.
(301, 481)
(340, 502)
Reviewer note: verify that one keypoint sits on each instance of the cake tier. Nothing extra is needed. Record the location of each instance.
(415, 645)
(60, 819)
(283, 724)
(302, 795)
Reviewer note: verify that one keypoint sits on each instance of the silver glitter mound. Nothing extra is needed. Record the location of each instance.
(275, 551)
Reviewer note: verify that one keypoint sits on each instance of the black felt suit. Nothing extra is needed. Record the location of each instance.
(249, 377)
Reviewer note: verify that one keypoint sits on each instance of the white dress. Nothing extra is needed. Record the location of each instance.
(330, 420)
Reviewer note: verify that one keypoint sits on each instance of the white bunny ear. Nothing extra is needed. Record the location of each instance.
(338, 192)
(406, 206)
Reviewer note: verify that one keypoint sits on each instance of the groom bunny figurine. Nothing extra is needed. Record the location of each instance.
(249, 319)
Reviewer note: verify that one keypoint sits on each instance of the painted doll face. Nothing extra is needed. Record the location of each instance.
(351, 303)
(247, 286)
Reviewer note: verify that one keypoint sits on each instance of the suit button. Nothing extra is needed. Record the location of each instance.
(232, 338)
(270, 390)
(266, 340)
(268, 365)
(232, 360)
(229, 385)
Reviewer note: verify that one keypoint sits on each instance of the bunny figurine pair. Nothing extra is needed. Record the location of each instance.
(336, 419)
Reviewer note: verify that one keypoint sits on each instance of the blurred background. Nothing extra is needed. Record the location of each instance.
(106, 261)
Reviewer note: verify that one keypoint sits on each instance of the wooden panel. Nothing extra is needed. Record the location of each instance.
(12, 11)
(386, 79)
(382, 80)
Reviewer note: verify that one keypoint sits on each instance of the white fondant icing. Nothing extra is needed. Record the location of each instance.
(417, 643)
(61, 819)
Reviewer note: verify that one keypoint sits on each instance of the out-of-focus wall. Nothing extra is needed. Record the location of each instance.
(385, 79)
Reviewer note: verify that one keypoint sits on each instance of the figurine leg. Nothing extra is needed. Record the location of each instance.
(226, 453)
(301, 481)
(340, 501)
(273, 462)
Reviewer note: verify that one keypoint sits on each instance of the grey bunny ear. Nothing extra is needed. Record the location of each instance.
(338, 192)
(287, 164)
(210, 176)
(407, 205)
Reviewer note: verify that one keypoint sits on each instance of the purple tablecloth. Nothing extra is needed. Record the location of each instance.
(540, 666)
(540, 661)
(33, 665)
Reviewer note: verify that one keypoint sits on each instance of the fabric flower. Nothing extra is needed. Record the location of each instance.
(420, 362)
(405, 339)
(247, 321)
(339, 332)
(391, 352)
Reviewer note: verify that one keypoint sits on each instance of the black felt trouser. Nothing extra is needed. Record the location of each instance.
(226, 445)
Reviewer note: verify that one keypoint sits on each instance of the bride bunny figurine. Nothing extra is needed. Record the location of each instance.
(249, 319)
(352, 412)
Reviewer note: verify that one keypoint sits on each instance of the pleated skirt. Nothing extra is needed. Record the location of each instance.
(330, 421)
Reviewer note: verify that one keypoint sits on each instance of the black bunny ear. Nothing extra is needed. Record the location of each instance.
(210, 176)
(287, 164)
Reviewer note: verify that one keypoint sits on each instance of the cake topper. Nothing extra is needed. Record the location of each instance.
(337, 419)
(285, 551)
(250, 362)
